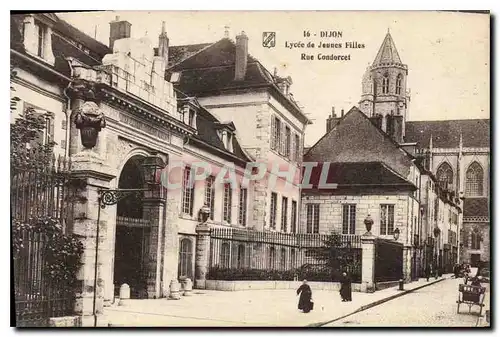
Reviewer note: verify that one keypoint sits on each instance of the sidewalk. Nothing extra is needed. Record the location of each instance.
(264, 308)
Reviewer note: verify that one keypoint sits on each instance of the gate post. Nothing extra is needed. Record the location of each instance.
(368, 262)
(202, 249)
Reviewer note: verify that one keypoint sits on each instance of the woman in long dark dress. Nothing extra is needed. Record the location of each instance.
(345, 288)
(305, 297)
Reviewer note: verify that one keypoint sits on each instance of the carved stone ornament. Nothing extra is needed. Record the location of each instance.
(90, 120)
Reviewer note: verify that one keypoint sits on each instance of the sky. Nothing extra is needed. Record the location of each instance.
(447, 54)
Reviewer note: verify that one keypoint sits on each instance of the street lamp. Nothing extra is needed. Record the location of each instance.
(396, 234)
(152, 166)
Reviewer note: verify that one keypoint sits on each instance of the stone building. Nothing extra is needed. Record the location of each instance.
(171, 104)
(374, 176)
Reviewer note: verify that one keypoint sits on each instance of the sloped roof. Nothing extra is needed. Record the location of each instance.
(476, 207)
(178, 53)
(355, 138)
(387, 52)
(209, 70)
(446, 133)
(359, 174)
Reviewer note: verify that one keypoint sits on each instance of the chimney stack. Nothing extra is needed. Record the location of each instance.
(342, 113)
(241, 57)
(118, 29)
(333, 112)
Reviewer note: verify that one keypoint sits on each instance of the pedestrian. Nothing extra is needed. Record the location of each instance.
(305, 299)
(456, 270)
(345, 288)
(428, 270)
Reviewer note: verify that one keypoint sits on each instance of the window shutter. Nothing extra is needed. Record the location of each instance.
(282, 139)
(273, 133)
(292, 147)
(51, 128)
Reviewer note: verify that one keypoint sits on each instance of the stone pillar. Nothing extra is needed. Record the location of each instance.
(89, 167)
(368, 262)
(154, 211)
(202, 255)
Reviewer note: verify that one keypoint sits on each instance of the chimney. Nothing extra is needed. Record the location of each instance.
(118, 29)
(241, 57)
(342, 113)
(163, 43)
(333, 112)
(331, 120)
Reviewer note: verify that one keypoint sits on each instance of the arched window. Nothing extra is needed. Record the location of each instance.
(399, 83)
(241, 256)
(445, 175)
(385, 83)
(475, 239)
(283, 259)
(474, 180)
(225, 255)
(186, 259)
(272, 258)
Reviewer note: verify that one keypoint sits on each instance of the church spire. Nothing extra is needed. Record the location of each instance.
(387, 52)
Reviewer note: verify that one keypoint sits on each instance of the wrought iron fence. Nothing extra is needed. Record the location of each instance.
(44, 191)
(238, 254)
(36, 298)
(41, 191)
(388, 260)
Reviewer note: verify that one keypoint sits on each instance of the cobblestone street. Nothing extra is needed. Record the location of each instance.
(433, 306)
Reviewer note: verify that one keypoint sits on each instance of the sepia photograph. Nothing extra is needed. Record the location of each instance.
(325, 169)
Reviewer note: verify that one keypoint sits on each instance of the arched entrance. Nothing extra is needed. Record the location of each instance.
(132, 233)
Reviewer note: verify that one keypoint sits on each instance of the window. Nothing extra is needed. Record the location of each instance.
(186, 259)
(288, 140)
(274, 202)
(474, 180)
(272, 258)
(242, 214)
(298, 151)
(187, 192)
(284, 214)
(241, 256)
(386, 219)
(475, 239)
(283, 259)
(293, 221)
(47, 135)
(444, 176)
(385, 83)
(312, 221)
(191, 117)
(210, 194)
(41, 30)
(276, 133)
(399, 83)
(348, 219)
(227, 202)
(225, 255)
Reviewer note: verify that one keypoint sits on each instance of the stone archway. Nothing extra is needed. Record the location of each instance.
(132, 233)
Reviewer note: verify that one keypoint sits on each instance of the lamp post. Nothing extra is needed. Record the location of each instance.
(152, 166)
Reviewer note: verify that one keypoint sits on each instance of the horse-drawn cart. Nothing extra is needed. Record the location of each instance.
(471, 295)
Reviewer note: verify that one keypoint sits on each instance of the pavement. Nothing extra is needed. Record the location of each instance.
(250, 308)
(433, 306)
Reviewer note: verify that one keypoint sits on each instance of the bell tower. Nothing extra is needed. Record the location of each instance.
(384, 93)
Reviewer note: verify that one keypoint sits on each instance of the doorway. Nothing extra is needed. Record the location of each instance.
(132, 233)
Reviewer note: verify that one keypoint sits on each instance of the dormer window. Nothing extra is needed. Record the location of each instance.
(225, 131)
(37, 38)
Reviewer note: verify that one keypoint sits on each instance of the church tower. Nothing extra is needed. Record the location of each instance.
(384, 96)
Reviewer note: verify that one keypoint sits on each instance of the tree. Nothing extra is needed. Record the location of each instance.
(26, 149)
